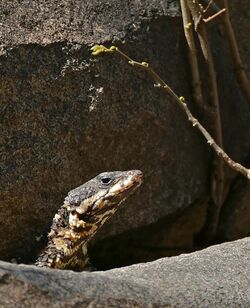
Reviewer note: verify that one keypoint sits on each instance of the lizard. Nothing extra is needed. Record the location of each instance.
(85, 209)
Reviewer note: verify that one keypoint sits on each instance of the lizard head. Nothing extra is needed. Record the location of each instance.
(91, 204)
(85, 210)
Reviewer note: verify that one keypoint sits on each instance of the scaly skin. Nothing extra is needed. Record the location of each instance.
(84, 211)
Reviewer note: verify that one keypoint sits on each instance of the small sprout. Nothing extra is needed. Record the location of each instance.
(131, 62)
(157, 85)
(188, 25)
(195, 122)
(145, 64)
(113, 48)
(182, 99)
(97, 49)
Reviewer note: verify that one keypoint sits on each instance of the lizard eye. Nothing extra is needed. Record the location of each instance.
(106, 180)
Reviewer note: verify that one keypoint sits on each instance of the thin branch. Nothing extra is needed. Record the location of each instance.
(209, 3)
(218, 176)
(239, 68)
(188, 30)
(98, 49)
(214, 16)
(197, 11)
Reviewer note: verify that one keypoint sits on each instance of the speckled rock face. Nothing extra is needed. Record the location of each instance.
(214, 277)
(66, 116)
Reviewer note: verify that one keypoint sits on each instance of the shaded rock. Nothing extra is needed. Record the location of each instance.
(169, 236)
(215, 277)
(235, 214)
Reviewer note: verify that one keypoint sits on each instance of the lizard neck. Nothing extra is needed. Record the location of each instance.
(66, 248)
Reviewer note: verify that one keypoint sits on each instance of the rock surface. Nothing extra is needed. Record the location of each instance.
(65, 116)
(215, 277)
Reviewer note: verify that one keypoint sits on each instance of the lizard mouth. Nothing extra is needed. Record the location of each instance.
(131, 181)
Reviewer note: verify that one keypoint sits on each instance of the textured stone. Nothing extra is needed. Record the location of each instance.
(215, 277)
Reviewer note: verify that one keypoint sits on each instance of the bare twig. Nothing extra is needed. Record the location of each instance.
(217, 177)
(98, 49)
(212, 4)
(214, 16)
(239, 69)
(209, 3)
(188, 30)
